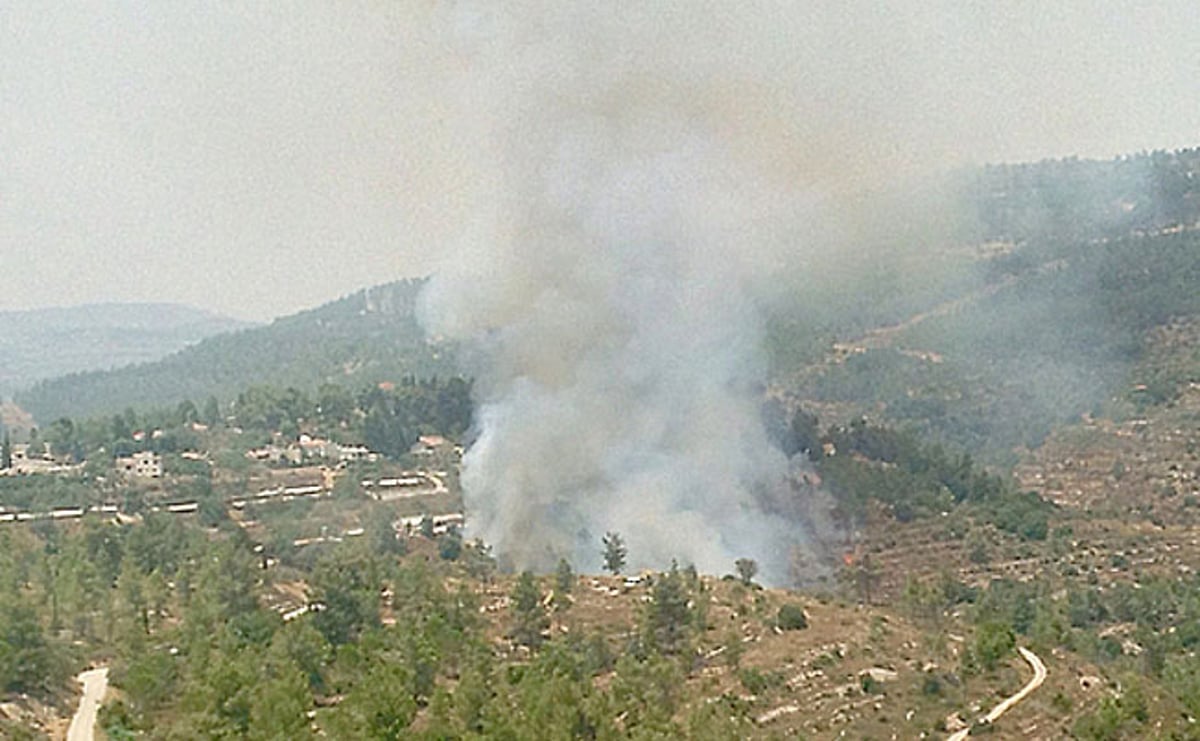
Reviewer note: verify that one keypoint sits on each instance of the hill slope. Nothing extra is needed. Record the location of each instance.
(1058, 331)
(44, 343)
(367, 337)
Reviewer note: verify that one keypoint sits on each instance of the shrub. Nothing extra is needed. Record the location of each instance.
(757, 682)
(931, 686)
(791, 617)
(993, 642)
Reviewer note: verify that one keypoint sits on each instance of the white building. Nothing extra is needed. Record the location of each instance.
(428, 445)
(27, 460)
(145, 465)
(348, 453)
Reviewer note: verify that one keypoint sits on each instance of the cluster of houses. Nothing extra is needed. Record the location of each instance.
(442, 523)
(319, 454)
(307, 448)
(30, 460)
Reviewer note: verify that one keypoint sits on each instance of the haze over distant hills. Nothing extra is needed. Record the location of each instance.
(43, 343)
(1038, 299)
(364, 338)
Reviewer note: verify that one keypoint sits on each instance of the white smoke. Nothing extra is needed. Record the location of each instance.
(627, 208)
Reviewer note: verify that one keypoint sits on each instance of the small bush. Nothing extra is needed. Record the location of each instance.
(931, 686)
(754, 681)
(1061, 702)
(824, 661)
(791, 617)
(757, 682)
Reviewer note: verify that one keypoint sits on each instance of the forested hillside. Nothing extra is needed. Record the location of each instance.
(1073, 199)
(367, 337)
(1059, 330)
(1051, 321)
(44, 343)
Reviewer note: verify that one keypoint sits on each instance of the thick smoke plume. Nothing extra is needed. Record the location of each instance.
(608, 301)
(630, 181)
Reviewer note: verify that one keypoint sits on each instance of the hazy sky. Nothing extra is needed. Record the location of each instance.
(259, 158)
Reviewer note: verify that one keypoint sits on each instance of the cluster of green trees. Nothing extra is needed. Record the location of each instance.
(1159, 621)
(88, 588)
(391, 649)
(871, 462)
(44, 493)
(32, 661)
(387, 419)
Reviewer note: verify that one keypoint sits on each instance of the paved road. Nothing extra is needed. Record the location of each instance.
(95, 684)
(1039, 676)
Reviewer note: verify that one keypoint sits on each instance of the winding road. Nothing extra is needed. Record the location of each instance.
(95, 684)
(1039, 676)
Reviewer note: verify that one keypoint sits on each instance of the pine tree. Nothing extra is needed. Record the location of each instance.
(212, 412)
(564, 577)
(669, 616)
(529, 614)
(614, 552)
(564, 581)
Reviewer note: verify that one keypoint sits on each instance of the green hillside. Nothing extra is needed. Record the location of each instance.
(1048, 308)
(367, 337)
(1056, 332)
(43, 343)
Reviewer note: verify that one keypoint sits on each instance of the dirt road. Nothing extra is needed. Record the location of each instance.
(1039, 676)
(95, 684)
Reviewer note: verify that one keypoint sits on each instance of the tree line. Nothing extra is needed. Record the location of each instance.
(386, 418)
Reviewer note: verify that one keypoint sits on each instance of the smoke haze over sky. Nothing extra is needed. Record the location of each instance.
(257, 159)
